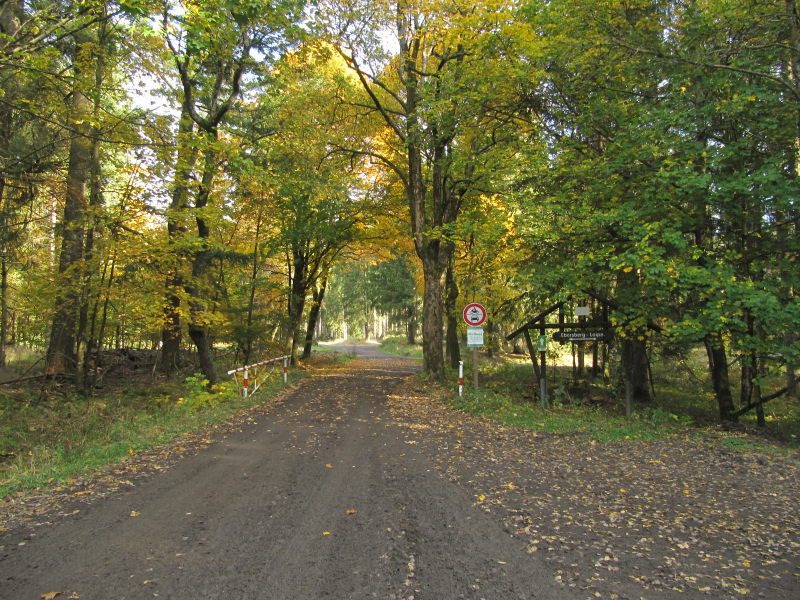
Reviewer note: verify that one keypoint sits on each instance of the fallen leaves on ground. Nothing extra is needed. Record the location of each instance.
(628, 518)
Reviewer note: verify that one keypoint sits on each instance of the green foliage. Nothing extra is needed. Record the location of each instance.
(646, 150)
(348, 298)
(669, 173)
(391, 286)
(199, 394)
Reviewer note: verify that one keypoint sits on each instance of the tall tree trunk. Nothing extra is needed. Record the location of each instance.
(792, 369)
(313, 316)
(432, 350)
(85, 337)
(720, 380)
(176, 228)
(3, 308)
(61, 356)
(297, 302)
(434, 254)
(198, 327)
(4, 250)
(251, 301)
(634, 365)
(791, 233)
(101, 330)
(11, 16)
(748, 373)
(411, 326)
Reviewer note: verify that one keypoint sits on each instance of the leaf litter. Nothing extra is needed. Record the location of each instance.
(632, 519)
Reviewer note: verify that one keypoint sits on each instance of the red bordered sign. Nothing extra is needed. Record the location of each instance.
(474, 314)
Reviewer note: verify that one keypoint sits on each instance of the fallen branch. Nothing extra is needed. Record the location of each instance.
(764, 400)
(20, 379)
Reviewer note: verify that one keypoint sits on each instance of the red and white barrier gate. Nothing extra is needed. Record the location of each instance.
(253, 376)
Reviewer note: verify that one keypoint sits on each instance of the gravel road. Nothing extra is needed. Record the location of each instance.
(319, 497)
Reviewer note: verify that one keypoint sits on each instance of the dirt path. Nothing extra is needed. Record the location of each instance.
(355, 485)
(323, 496)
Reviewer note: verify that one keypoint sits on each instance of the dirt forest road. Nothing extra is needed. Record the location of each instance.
(320, 497)
(355, 484)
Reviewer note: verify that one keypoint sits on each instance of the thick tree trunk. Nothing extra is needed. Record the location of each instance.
(313, 317)
(171, 330)
(176, 228)
(720, 380)
(199, 335)
(435, 255)
(634, 365)
(198, 328)
(432, 351)
(297, 302)
(61, 356)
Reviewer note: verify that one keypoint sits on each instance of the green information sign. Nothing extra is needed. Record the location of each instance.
(542, 343)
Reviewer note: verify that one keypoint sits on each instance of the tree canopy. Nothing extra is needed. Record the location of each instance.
(217, 169)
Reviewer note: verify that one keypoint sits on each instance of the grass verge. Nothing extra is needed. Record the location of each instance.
(47, 442)
(398, 346)
(589, 421)
(506, 395)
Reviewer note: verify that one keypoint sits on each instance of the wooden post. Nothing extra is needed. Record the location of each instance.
(532, 353)
(543, 378)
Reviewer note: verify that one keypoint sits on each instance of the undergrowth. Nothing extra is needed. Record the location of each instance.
(683, 404)
(399, 346)
(46, 442)
(590, 421)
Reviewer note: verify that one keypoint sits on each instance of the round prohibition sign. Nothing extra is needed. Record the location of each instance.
(474, 314)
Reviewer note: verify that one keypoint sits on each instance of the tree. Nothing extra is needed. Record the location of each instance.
(433, 98)
(213, 46)
(665, 176)
(316, 203)
(86, 68)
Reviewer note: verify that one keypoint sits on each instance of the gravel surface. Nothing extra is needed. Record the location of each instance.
(321, 495)
(358, 484)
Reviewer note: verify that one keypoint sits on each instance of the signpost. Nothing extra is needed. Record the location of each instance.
(586, 327)
(474, 317)
(474, 337)
(586, 335)
(474, 314)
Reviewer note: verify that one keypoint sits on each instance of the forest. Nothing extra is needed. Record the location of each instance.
(221, 181)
